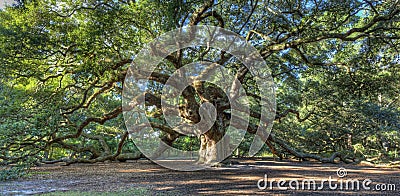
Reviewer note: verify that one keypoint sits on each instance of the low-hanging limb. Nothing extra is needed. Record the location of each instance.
(251, 128)
(97, 156)
(302, 155)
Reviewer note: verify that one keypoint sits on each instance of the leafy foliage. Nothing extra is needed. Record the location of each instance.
(62, 65)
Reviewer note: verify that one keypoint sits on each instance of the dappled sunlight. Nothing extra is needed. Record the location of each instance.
(141, 170)
(164, 188)
(242, 179)
(375, 171)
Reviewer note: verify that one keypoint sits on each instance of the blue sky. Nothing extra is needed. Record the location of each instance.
(3, 3)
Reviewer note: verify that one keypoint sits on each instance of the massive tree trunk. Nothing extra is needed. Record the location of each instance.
(214, 144)
(214, 147)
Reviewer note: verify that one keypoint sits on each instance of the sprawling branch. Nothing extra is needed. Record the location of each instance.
(283, 114)
(197, 16)
(101, 120)
(303, 156)
(350, 35)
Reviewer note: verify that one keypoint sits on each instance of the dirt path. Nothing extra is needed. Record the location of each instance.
(236, 179)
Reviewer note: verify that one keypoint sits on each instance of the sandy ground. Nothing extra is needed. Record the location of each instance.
(241, 178)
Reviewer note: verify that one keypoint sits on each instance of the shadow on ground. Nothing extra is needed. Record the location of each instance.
(240, 178)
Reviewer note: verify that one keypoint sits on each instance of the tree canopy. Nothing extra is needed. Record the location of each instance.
(335, 65)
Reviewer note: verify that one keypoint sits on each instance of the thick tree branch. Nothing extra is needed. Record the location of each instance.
(346, 36)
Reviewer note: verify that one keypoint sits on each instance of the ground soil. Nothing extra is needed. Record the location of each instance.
(240, 178)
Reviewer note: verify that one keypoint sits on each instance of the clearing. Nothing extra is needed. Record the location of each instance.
(144, 177)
